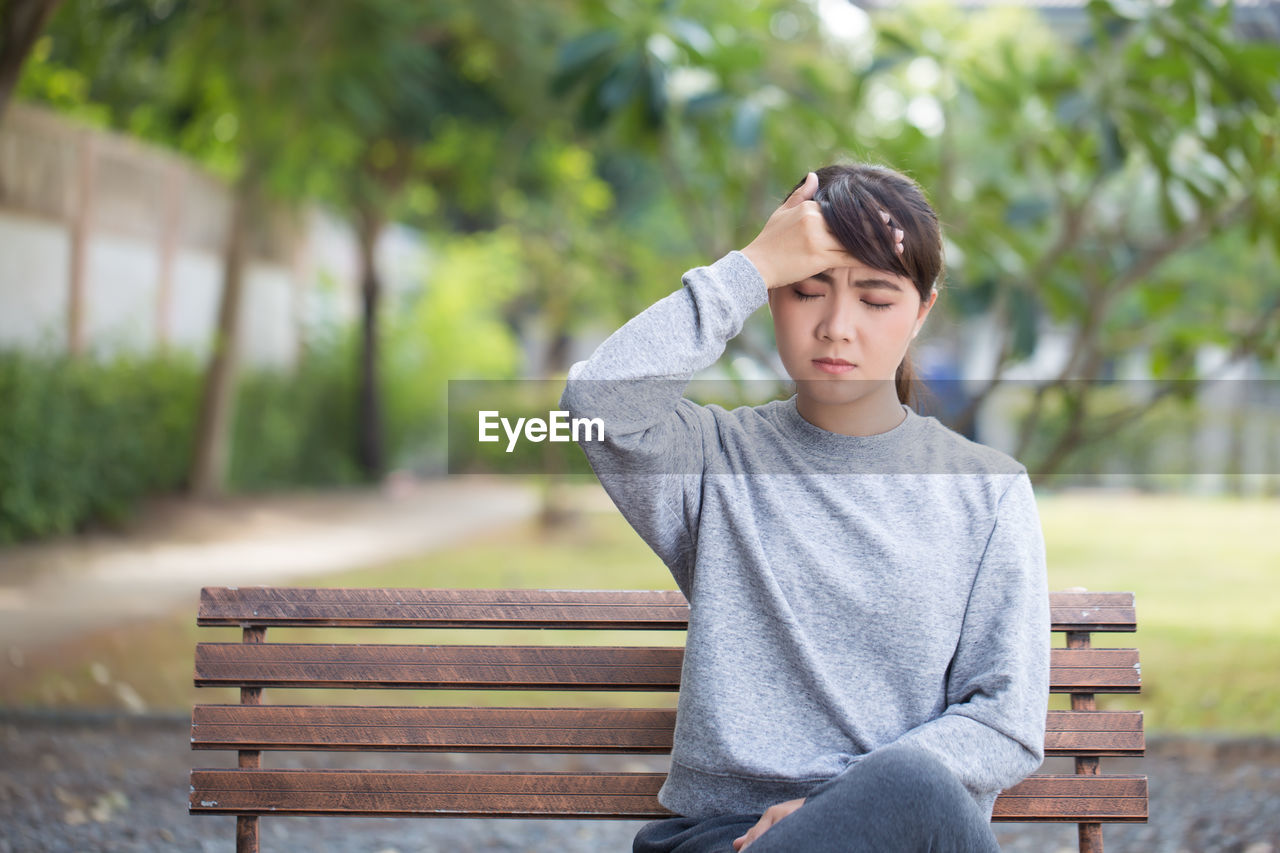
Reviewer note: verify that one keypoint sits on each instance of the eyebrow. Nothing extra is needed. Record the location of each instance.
(868, 283)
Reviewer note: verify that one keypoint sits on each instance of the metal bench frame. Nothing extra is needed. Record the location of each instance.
(251, 728)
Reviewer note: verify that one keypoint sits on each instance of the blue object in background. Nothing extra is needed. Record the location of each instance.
(943, 395)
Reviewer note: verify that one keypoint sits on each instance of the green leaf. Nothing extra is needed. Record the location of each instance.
(620, 83)
(655, 93)
(580, 58)
(706, 104)
(693, 36)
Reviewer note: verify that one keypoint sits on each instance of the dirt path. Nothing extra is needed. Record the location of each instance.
(51, 592)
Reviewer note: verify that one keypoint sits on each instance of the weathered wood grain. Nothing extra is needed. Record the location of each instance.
(540, 608)
(1105, 799)
(561, 730)
(540, 667)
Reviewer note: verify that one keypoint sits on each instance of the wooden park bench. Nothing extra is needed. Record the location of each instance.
(251, 727)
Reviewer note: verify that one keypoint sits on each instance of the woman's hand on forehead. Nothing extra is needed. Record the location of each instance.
(796, 243)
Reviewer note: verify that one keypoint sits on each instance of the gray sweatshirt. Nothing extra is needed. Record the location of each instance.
(846, 592)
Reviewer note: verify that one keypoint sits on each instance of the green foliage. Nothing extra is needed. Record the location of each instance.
(297, 428)
(1120, 186)
(450, 329)
(82, 440)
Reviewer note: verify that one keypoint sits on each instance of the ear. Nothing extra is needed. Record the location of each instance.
(924, 312)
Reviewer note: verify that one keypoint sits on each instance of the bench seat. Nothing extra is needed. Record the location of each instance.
(251, 728)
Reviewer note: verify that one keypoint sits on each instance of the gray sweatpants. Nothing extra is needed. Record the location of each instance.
(896, 800)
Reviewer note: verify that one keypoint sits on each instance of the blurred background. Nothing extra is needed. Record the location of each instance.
(245, 247)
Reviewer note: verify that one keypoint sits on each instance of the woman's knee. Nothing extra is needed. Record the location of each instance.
(901, 798)
(905, 775)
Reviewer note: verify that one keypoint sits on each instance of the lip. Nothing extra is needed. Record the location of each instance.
(833, 365)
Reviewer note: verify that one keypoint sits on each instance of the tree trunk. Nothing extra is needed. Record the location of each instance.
(557, 510)
(371, 451)
(21, 23)
(212, 450)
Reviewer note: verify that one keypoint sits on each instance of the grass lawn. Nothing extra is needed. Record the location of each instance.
(1206, 572)
(1206, 577)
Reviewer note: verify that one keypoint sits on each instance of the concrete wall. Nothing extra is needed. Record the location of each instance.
(150, 228)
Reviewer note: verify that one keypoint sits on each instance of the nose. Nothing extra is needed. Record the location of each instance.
(839, 321)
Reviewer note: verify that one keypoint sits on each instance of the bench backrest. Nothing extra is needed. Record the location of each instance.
(251, 727)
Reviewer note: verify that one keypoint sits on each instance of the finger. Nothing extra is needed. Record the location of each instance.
(804, 192)
(747, 837)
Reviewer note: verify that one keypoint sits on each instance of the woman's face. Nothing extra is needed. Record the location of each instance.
(861, 315)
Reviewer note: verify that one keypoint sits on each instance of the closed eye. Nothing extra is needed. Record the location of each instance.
(878, 306)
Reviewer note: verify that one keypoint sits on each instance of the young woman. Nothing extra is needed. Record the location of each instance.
(867, 657)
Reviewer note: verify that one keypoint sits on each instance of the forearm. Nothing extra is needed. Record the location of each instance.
(983, 758)
(651, 458)
(635, 379)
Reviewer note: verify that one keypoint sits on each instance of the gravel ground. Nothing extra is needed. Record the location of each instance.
(120, 784)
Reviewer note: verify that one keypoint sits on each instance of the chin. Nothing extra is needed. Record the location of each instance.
(832, 391)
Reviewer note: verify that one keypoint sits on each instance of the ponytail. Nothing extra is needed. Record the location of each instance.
(905, 381)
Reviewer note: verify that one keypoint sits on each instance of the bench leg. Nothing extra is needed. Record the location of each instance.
(247, 827)
(1090, 838)
(1090, 833)
(247, 834)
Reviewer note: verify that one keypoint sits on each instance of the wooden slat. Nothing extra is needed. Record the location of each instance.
(1071, 799)
(430, 667)
(540, 667)
(445, 608)
(426, 793)
(578, 795)
(1094, 733)
(568, 730)
(447, 729)
(1094, 671)
(540, 608)
(1092, 611)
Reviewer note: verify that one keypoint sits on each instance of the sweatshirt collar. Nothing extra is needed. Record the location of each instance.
(896, 442)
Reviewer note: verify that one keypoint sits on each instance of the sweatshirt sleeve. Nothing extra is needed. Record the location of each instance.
(991, 734)
(651, 458)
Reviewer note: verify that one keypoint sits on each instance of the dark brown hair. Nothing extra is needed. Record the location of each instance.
(851, 197)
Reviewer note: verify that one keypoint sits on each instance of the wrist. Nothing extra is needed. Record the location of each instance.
(753, 254)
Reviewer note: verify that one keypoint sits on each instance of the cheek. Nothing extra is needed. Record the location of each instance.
(784, 321)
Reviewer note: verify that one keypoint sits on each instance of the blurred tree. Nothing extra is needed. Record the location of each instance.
(21, 22)
(418, 82)
(1080, 183)
(726, 104)
(329, 106)
(155, 69)
(1075, 182)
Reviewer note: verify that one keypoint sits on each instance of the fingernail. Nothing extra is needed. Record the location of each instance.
(897, 233)
(885, 217)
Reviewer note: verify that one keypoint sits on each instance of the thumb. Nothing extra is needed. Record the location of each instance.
(804, 192)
